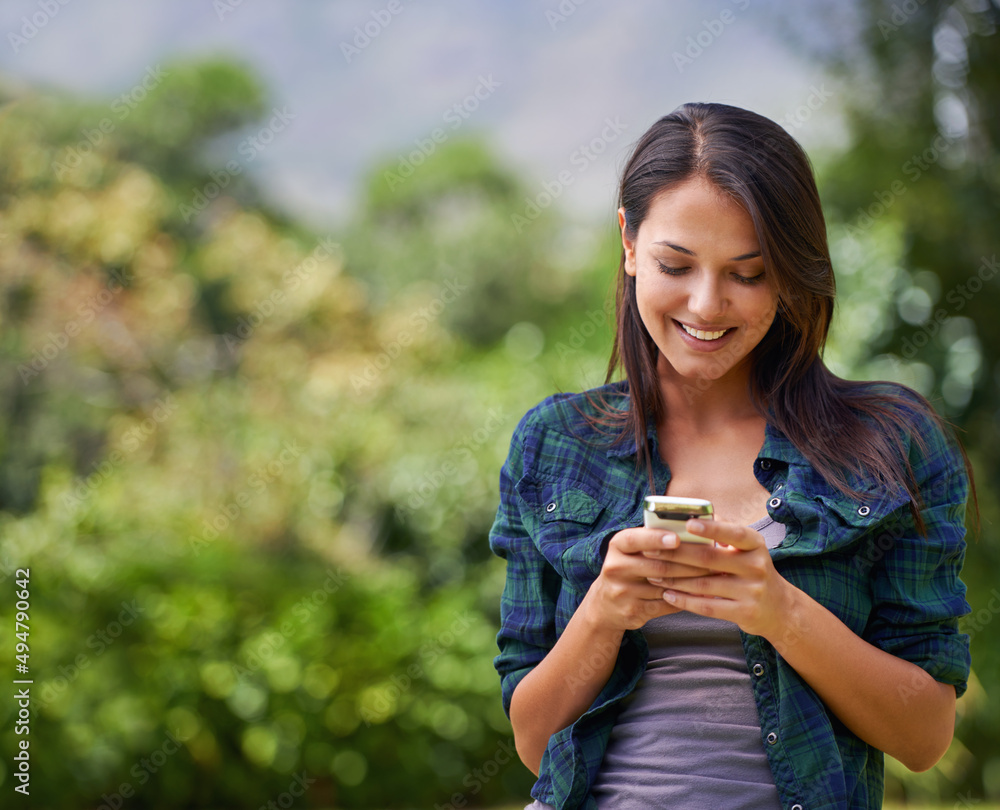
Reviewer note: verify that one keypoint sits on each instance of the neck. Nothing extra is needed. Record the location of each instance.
(704, 404)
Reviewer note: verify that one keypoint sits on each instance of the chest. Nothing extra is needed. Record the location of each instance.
(720, 470)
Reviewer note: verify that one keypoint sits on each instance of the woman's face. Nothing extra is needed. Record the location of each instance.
(700, 283)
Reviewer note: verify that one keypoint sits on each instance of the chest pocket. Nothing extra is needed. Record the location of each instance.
(841, 539)
(854, 519)
(564, 519)
(827, 521)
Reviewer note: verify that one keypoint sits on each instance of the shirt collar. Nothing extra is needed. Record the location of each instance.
(776, 447)
(627, 445)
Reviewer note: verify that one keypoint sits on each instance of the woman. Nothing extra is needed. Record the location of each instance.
(773, 667)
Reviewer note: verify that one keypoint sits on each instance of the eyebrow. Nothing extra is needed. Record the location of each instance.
(742, 258)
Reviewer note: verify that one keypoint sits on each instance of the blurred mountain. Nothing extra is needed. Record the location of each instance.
(366, 84)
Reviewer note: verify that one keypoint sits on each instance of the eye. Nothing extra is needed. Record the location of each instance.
(671, 271)
(749, 279)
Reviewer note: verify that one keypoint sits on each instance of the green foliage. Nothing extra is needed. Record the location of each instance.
(252, 469)
(448, 221)
(228, 585)
(917, 193)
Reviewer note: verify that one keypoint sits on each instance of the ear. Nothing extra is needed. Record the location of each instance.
(627, 244)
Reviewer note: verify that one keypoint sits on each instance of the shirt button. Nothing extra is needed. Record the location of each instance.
(551, 507)
(765, 464)
(774, 503)
(758, 670)
(796, 807)
(864, 511)
(772, 738)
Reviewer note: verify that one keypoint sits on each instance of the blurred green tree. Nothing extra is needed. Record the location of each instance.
(458, 218)
(922, 113)
(200, 472)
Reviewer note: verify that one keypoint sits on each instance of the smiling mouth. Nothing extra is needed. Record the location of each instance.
(703, 335)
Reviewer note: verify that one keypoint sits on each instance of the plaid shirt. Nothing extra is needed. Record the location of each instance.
(564, 491)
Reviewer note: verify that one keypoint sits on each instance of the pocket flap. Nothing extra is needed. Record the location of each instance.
(864, 512)
(559, 500)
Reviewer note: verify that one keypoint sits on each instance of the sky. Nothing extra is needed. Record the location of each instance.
(367, 81)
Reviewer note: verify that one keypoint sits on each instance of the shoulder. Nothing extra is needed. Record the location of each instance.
(573, 414)
(569, 432)
(914, 417)
(927, 441)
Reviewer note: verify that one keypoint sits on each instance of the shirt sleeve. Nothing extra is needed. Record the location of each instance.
(919, 596)
(528, 603)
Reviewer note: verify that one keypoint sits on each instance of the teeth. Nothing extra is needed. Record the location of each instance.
(703, 335)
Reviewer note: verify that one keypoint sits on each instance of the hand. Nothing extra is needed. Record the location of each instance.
(742, 584)
(622, 597)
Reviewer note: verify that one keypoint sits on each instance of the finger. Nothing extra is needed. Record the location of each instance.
(664, 609)
(702, 605)
(669, 568)
(732, 534)
(713, 585)
(634, 541)
(678, 571)
(654, 609)
(640, 589)
(666, 553)
(714, 559)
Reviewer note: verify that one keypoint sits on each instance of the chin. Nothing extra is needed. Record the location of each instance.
(696, 374)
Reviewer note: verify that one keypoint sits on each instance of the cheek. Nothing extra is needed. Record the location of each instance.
(762, 315)
(657, 292)
(648, 315)
(649, 298)
(654, 301)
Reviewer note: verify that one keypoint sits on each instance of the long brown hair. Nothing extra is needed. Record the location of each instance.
(843, 428)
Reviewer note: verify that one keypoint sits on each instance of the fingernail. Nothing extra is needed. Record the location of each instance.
(669, 539)
(655, 580)
(696, 526)
(670, 596)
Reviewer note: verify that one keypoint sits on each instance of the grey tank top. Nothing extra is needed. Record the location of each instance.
(688, 736)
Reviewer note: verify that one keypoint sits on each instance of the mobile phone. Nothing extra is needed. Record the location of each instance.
(665, 512)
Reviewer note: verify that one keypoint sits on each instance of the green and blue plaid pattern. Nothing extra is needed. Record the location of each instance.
(564, 491)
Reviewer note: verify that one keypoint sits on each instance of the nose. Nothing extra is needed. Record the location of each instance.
(706, 299)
